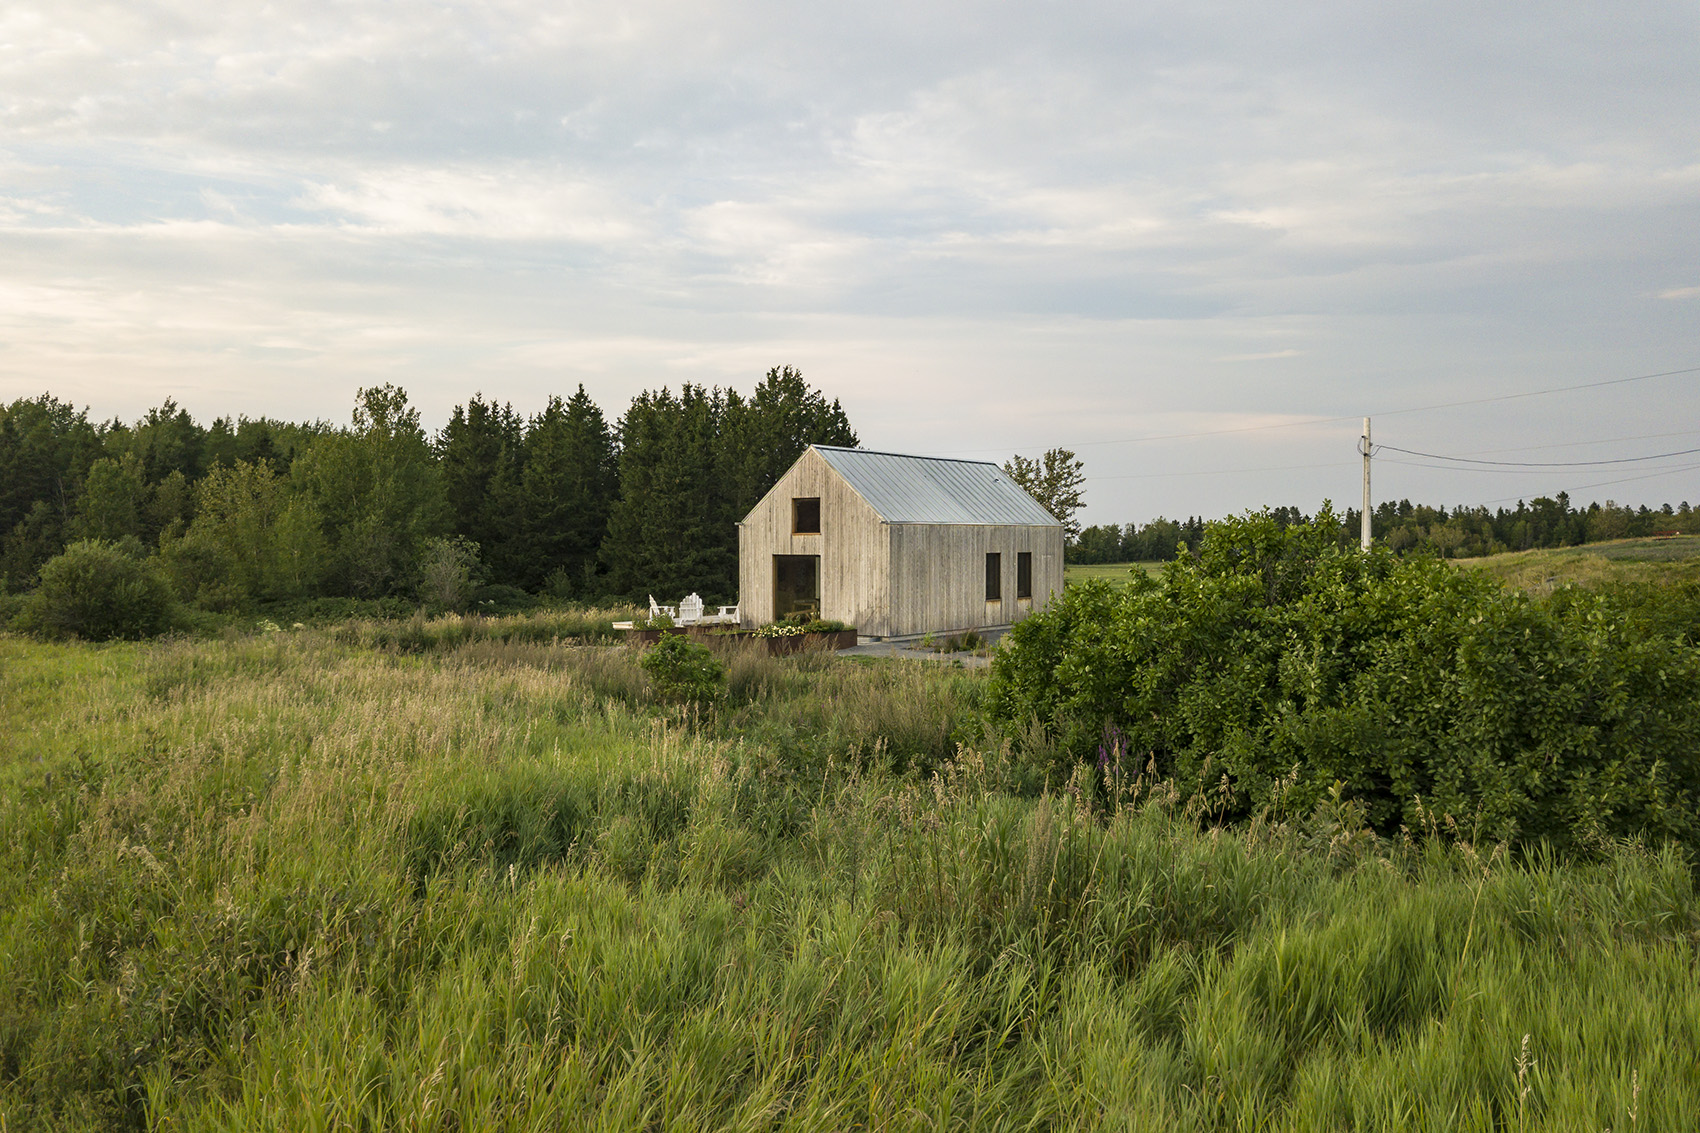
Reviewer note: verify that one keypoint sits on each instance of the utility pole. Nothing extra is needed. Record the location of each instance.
(1364, 447)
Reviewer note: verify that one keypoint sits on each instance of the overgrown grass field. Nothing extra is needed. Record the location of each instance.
(331, 879)
(1664, 561)
(1116, 574)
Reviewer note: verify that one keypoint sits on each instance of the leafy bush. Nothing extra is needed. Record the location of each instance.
(11, 605)
(683, 670)
(1279, 663)
(98, 590)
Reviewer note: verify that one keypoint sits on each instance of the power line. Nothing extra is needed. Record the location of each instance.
(1601, 441)
(1541, 392)
(1217, 471)
(1605, 483)
(1532, 463)
(1385, 413)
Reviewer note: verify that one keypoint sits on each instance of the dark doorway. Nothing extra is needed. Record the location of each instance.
(796, 584)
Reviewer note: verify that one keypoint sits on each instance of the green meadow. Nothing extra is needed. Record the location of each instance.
(1673, 560)
(1116, 574)
(462, 875)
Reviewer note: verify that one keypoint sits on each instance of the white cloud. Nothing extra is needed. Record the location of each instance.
(993, 220)
(490, 203)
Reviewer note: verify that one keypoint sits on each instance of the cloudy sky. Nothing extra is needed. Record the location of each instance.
(987, 228)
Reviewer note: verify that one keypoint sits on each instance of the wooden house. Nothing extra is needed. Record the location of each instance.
(897, 545)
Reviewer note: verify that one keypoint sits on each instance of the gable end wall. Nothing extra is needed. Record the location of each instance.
(854, 546)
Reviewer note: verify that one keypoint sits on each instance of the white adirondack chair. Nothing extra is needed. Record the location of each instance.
(728, 616)
(690, 610)
(655, 609)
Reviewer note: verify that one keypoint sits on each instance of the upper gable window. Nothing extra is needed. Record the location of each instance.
(805, 516)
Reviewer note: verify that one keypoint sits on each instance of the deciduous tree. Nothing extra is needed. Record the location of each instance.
(1055, 480)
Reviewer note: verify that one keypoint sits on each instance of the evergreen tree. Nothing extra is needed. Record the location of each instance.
(691, 467)
(46, 448)
(764, 436)
(167, 440)
(569, 486)
(666, 532)
(481, 452)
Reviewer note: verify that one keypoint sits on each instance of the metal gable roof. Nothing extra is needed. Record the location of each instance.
(927, 489)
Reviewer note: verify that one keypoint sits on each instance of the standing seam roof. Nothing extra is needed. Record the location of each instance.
(928, 489)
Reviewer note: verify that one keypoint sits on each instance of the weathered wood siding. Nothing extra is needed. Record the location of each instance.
(938, 581)
(853, 546)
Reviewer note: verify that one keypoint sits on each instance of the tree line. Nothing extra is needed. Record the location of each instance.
(1407, 528)
(563, 502)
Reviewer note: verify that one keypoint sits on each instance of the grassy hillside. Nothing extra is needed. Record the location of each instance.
(310, 880)
(1674, 559)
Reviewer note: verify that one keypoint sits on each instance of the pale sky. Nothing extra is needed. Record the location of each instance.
(986, 228)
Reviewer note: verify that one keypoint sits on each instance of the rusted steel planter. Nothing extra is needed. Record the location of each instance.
(796, 643)
(651, 636)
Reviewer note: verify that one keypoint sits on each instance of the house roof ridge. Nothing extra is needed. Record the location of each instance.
(907, 455)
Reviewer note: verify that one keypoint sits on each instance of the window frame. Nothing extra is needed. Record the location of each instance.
(798, 506)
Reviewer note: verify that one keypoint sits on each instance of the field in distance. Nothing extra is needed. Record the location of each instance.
(1116, 574)
(1672, 559)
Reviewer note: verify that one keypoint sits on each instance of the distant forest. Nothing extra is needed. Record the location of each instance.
(1464, 532)
(563, 502)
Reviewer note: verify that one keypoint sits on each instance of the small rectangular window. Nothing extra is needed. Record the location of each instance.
(1024, 574)
(805, 516)
(994, 577)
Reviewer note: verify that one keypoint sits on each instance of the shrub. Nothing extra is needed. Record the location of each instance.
(1279, 664)
(98, 590)
(500, 598)
(11, 605)
(684, 671)
(449, 572)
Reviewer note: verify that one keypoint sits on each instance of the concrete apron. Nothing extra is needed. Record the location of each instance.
(908, 648)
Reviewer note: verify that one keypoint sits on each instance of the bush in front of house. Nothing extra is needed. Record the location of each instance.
(684, 671)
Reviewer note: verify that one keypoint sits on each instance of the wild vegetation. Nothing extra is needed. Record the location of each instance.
(310, 879)
(1276, 667)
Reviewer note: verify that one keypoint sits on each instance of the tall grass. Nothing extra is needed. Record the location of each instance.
(287, 882)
